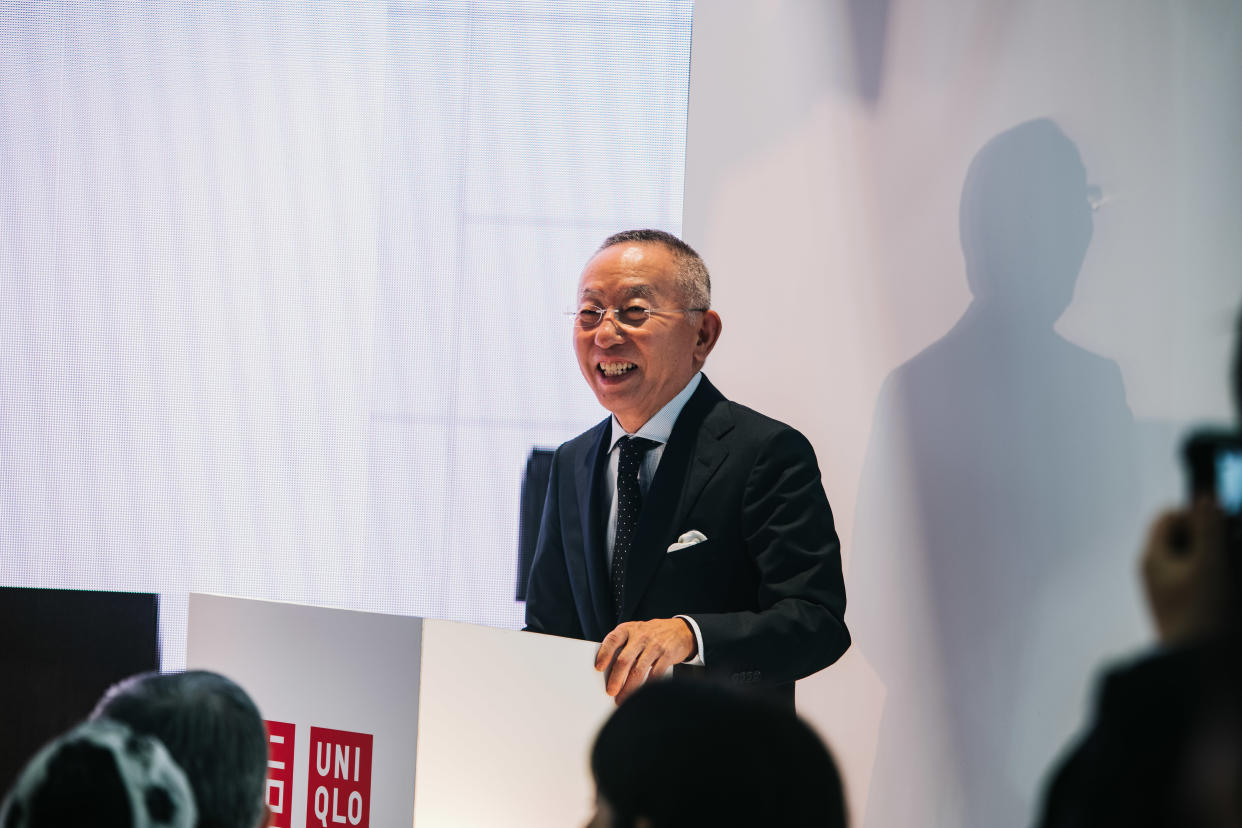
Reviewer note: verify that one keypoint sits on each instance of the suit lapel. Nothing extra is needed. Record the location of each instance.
(695, 450)
(593, 509)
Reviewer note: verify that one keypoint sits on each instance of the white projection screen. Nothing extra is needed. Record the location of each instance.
(281, 286)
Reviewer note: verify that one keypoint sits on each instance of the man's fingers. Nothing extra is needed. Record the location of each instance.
(642, 666)
(665, 663)
(642, 670)
(619, 673)
(635, 680)
(1168, 540)
(1172, 531)
(612, 642)
(632, 666)
(1181, 571)
(638, 650)
(1206, 524)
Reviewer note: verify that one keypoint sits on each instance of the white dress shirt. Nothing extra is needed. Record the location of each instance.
(658, 429)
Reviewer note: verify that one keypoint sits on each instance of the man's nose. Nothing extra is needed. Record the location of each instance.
(608, 332)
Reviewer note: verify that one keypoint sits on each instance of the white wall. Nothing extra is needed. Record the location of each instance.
(992, 469)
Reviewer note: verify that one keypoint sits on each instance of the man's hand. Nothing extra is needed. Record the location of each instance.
(638, 650)
(1184, 572)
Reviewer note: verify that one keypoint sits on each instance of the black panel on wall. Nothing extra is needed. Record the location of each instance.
(534, 492)
(60, 649)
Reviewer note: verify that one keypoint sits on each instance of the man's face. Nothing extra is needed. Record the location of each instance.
(635, 371)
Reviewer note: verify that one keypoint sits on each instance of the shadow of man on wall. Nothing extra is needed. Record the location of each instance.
(994, 506)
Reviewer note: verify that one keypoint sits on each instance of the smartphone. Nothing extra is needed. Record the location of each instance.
(1213, 460)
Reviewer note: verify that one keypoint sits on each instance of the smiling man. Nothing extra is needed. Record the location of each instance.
(685, 528)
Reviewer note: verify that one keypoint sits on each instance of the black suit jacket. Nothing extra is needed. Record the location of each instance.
(765, 587)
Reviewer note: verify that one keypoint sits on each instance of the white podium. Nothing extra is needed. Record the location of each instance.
(384, 720)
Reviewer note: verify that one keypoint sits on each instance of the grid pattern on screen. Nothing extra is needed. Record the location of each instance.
(282, 289)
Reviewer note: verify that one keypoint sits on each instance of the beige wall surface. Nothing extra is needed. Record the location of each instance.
(985, 256)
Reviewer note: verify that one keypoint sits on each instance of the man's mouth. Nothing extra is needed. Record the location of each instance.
(616, 369)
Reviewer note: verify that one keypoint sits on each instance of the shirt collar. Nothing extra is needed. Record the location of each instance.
(659, 427)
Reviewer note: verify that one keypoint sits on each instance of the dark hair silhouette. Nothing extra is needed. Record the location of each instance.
(212, 729)
(103, 775)
(689, 752)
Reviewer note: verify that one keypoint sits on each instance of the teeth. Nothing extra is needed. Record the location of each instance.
(615, 369)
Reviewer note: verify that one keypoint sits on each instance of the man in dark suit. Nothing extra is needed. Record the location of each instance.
(685, 528)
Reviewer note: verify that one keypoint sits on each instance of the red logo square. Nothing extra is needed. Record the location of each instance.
(338, 789)
(279, 794)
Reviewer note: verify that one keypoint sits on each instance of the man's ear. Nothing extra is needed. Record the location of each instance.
(707, 335)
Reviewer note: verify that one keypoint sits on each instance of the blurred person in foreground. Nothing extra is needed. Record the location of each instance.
(100, 775)
(1165, 746)
(689, 752)
(213, 730)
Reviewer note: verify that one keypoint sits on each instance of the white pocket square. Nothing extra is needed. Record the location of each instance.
(688, 539)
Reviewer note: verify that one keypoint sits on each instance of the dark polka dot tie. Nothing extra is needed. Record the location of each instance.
(629, 504)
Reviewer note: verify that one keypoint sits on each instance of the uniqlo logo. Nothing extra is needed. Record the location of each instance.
(280, 773)
(338, 790)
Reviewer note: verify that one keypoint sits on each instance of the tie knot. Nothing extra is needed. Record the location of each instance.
(632, 451)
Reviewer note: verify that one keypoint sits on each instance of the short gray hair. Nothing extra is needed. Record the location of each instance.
(693, 281)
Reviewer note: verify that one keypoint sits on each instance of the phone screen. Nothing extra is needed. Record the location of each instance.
(1229, 481)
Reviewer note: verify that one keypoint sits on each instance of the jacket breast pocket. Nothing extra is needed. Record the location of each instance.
(703, 548)
(697, 573)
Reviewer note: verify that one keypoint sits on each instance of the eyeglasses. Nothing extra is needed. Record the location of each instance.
(589, 317)
(1097, 198)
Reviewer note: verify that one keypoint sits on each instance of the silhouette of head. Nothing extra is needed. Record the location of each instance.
(1025, 221)
(690, 752)
(212, 729)
(104, 775)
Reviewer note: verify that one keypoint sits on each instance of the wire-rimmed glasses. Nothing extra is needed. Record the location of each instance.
(590, 317)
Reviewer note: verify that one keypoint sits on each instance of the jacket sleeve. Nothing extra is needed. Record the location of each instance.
(790, 537)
